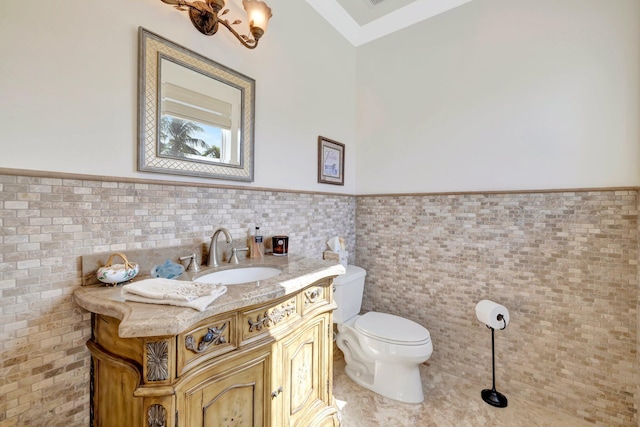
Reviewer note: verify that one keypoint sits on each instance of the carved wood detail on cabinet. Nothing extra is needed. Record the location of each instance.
(264, 365)
(260, 322)
(214, 336)
(157, 361)
(205, 341)
(156, 416)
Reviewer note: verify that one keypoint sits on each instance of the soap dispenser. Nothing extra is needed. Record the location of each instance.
(256, 245)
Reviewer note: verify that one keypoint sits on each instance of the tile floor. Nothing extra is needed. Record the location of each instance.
(449, 402)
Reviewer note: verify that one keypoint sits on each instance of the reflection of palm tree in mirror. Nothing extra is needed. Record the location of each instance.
(176, 139)
(213, 151)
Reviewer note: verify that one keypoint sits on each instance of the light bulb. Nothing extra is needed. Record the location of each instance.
(258, 13)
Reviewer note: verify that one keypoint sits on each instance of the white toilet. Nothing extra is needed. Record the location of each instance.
(382, 351)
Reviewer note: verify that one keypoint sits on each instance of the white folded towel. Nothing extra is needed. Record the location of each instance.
(173, 292)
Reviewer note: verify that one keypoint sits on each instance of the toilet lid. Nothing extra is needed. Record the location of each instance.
(392, 329)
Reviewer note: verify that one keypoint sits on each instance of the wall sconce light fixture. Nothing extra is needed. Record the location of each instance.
(205, 16)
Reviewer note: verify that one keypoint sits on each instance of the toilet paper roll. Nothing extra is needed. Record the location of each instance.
(488, 312)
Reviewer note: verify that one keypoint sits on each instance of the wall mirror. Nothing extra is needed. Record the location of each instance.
(195, 115)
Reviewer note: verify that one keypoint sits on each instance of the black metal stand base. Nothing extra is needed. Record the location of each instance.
(494, 398)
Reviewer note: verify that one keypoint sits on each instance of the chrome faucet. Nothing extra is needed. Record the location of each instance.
(233, 259)
(192, 264)
(213, 246)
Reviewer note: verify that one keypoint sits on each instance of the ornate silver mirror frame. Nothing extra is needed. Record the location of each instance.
(158, 56)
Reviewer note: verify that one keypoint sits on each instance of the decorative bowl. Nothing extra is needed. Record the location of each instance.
(112, 274)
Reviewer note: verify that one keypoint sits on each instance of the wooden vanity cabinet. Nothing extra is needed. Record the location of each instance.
(264, 365)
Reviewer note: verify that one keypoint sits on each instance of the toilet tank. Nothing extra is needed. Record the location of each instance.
(348, 293)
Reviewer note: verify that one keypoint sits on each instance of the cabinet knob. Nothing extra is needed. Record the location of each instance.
(275, 393)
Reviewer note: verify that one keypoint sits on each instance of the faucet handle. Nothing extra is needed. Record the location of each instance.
(193, 262)
(233, 259)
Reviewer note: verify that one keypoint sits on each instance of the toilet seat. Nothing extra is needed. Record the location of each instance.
(392, 329)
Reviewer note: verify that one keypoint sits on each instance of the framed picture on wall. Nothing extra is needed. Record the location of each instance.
(330, 161)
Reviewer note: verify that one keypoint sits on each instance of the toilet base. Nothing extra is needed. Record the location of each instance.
(401, 383)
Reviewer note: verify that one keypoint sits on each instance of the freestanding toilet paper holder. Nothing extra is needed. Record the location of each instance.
(492, 396)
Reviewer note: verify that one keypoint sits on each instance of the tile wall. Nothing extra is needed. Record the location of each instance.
(48, 223)
(564, 263)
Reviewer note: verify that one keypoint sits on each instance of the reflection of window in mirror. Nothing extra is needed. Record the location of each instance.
(199, 117)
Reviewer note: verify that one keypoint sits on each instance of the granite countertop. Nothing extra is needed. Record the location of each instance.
(149, 320)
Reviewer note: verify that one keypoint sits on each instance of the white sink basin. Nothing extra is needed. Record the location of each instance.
(234, 276)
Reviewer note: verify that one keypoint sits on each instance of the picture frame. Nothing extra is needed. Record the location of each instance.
(330, 161)
(195, 116)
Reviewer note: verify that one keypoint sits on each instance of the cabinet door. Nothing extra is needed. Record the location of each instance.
(303, 374)
(235, 395)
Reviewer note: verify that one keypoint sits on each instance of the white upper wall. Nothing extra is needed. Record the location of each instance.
(68, 85)
(492, 95)
(501, 95)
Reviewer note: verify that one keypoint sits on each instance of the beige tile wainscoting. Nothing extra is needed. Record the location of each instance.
(564, 264)
(48, 222)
